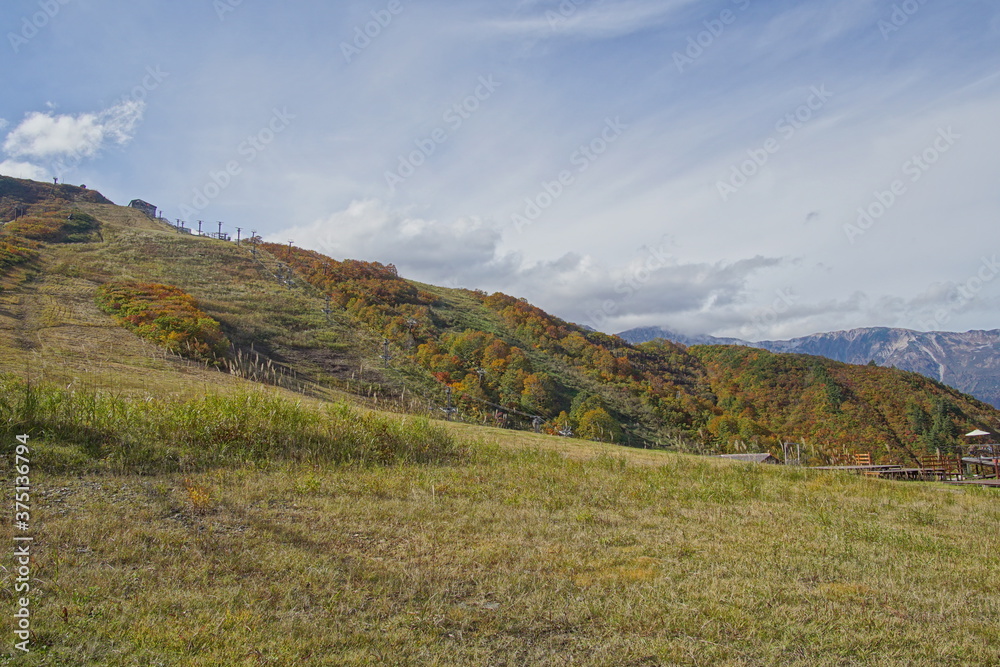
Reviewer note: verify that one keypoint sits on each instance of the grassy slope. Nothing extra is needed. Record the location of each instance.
(529, 550)
(51, 325)
(51, 328)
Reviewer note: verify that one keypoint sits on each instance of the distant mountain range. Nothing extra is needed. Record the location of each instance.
(969, 362)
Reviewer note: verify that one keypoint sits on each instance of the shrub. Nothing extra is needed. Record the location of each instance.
(167, 316)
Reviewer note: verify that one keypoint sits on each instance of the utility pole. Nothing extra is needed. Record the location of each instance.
(199, 228)
(253, 242)
(385, 353)
(448, 411)
(411, 324)
(327, 310)
(220, 230)
(238, 230)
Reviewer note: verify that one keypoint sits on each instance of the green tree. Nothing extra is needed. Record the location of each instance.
(597, 424)
(583, 402)
(537, 393)
(512, 386)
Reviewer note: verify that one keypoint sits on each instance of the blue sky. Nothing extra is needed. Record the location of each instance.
(735, 167)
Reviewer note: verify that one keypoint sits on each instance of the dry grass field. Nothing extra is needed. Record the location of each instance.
(512, 557)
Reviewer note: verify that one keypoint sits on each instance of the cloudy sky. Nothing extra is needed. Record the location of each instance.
(761, 169)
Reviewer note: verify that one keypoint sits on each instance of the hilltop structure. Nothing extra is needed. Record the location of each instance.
(143, 206)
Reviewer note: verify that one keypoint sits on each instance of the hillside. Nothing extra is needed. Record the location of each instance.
(306, 322)
(966, 361)
(224, 471)
(893, 415)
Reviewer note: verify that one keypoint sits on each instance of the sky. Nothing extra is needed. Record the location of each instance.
(748, 168)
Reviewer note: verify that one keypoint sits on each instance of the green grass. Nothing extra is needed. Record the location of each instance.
(512, 557)
(81, 430)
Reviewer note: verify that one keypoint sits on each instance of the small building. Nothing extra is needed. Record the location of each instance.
(143, 206)
(752, 458)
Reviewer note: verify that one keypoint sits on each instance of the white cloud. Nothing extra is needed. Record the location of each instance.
(44, 135)
(690, 296)
(467, 252)
(23, 170)
(426, 249)
(724, 297)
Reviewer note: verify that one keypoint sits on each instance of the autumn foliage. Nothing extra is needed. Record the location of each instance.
(515, 367)
(167, 316)
(893, 415)
(508, 362)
